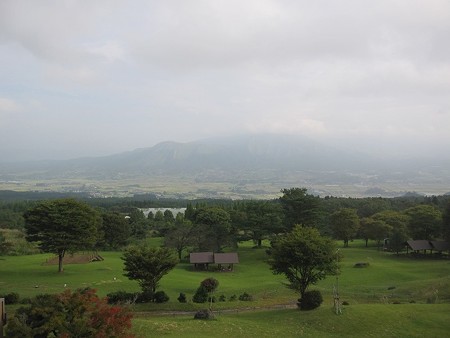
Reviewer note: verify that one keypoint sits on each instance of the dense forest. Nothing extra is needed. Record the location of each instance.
(212, 224)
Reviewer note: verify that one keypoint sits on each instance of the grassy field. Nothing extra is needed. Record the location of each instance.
(393, 296)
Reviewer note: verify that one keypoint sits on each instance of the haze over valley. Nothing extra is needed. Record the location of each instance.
(245, 166)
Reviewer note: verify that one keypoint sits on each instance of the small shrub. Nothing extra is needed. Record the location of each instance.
(246, 297)
(210, 284)
(11, 298)
(145, 297)
(232, 298)
(311, 300)
(222, 298)
(201, 295)
(182, 298)
(160, 297)
(391, 288)
(211, 299)
(121, 297)
(204, 314)
(345, 303)
(25, 301)
(361, 265)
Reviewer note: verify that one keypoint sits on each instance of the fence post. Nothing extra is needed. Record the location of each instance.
(2, 316)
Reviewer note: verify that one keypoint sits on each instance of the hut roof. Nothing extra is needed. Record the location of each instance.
(226, 258)
(201, 257)
(440, 245)
(421, 244)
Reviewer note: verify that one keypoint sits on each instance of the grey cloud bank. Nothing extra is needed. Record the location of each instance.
(87, 78)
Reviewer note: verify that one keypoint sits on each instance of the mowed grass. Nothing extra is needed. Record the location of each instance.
(371, 293)
(374, 320)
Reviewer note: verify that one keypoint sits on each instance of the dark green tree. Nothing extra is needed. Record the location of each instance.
(62, 225)
(398, 240)
(262, 219)
(148, 265)
(446, 222)
(213, 229)
(116, 230)
(179, 237)
(344, 224)
(374, 229)
(300, 207)
(304, 257)
(425, 222)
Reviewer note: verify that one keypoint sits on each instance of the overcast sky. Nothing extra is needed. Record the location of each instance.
(88, 78)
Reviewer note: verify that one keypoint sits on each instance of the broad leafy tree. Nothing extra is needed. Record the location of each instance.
(344, 224)
(446, 222)
(424, 222)
(180, 236)
(116, 230)
(304, 257)
(148, 265)
(300, 207)
(262, 219)
(374, 229)
(213, 231)
(70, 314)
(62, 225)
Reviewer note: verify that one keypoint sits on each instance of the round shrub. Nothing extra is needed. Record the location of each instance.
(246, 297)
(182, 298)
(310, 300)
(204, 314)
(232, 298)
(145, 297)
(11, 298)
(201, 295)
(160, 297)
(222, 298)
(120, 297)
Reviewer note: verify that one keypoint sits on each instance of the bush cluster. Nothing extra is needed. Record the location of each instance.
(310, 300)
(11, 298)
(123, 297)
(246, 297)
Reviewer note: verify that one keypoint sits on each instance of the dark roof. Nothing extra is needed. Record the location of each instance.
(201, 257)
(440, 245)
(226, 258)
(421, 244)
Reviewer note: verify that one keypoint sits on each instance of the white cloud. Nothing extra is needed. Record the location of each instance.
(182, 70)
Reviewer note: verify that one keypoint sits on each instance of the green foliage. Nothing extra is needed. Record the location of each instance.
(61, 226)
(300, 207)
(11, 298)
(148, 265)
(212, 231)
(201, 295)
(115, 229)
(78, 314)
(344, 224)
(160, 297)
(424, 222)
(446, 222)
(182, 298)
(310, 300)
(121, 297)
(303, 256)
(245, 297)
(210, 284)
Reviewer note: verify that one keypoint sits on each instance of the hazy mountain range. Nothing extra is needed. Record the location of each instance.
(247, 162)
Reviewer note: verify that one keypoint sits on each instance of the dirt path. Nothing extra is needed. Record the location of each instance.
(217, 312)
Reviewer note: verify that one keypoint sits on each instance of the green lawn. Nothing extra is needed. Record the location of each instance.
(371, 293)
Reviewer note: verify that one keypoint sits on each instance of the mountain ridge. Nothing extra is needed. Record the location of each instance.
(256, 159)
